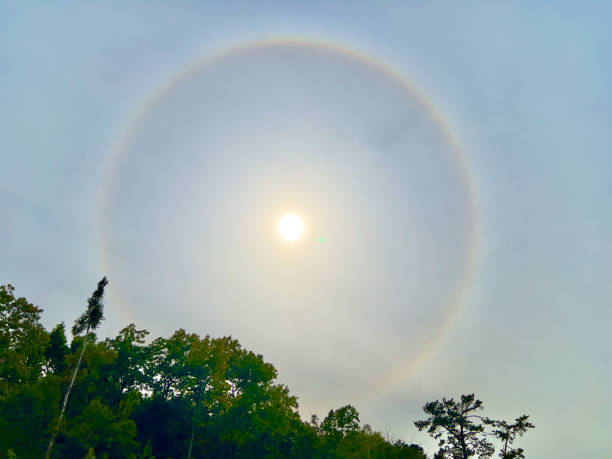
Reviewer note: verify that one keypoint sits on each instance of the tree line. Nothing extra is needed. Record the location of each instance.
(187, 396)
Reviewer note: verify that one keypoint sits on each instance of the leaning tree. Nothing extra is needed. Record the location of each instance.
(89, 320)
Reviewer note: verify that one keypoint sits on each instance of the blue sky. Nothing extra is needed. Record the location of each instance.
(523, 86)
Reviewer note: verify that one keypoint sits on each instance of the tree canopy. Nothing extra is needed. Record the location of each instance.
(462, 432)
(183, 396)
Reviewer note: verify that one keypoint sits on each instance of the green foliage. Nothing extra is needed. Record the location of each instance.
(25, 414)
(57, 350)
(23, 340)
(341, 421)
(507, 433)
(341, 436)
(185, 394)
(339, 425)
(462, 433)
(457, 427)
(91, 319)
(126, 369)
(99, 427)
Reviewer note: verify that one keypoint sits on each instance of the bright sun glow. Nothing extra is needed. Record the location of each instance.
(290, 227)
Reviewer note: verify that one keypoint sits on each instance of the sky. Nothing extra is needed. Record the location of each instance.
(451, 165)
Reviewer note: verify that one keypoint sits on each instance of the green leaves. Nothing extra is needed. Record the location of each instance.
(101, 428)
(91, 319)
(462, 432)
(341, 421)
(507, 434)
(128, 367)
(187, 393)
(23, 340)
(57, 350)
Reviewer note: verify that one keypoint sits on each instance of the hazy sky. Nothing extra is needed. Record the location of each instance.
(454, 175)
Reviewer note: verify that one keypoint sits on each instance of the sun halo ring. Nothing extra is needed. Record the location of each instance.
(126, 132)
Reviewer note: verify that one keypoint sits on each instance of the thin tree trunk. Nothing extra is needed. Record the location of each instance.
(193, 419)
(506, 443)
(463, 445)
(61, 416)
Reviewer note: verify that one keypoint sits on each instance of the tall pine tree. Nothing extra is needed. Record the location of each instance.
(89, 320)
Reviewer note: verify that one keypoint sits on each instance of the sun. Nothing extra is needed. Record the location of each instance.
(290, 227)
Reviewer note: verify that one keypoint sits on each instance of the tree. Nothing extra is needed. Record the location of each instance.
(89, 320)
(110, 433)
(507, 434)
(196, 360)
(25, 398)
(241, 412)
(25, 414)
(460, 430)
(181, 395)
(161, 424)
(165, 364)
(23, 340)
(405, 451)
(128, 368)
(55, 354)
(337, 426)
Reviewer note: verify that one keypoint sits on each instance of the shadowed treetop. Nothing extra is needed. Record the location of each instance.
(91, 318)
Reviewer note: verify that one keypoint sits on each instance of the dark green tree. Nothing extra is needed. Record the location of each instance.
(175, 397)
(402, 450)
(25, 414)
(161, 424)
(57, 350)
(27, 399)
(337, 426)
(241, 411)
(23, 340)
(197, 359)
(341, 421)
(460, 431)
(166, 366)
(98, 426)
(89, 320)
(463, 433)
(507, 433)
(127, 370)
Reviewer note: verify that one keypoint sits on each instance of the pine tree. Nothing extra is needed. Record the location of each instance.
(89, 320)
